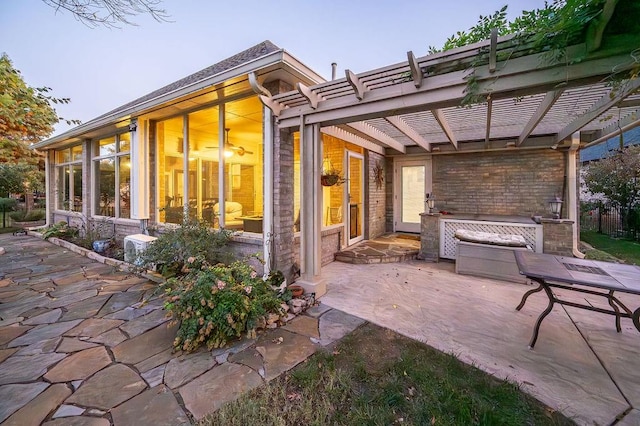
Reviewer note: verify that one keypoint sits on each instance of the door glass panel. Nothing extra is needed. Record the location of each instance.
(412, 193)
(355, 197)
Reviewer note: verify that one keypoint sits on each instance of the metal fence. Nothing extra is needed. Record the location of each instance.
(611, 219)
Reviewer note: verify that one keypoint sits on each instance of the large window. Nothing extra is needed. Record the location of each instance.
(193, 143)
(112, 166)
(68, 171)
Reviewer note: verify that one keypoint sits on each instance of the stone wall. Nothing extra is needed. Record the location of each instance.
(429, 237)
(515, 182)
(330, 244)
(558, 237)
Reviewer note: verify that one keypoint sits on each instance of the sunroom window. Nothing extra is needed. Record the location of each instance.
(112, 168)
(68, 170)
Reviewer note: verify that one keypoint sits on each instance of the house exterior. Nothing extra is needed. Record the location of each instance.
(243, 144)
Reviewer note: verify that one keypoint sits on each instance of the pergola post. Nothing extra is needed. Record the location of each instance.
(311, 210)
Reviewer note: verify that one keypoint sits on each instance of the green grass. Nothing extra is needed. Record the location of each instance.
(377, 377)
(626, 250)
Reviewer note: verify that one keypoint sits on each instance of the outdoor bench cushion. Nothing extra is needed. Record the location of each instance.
(490, 238)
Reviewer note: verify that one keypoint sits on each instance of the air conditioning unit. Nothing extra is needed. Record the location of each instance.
(134, 245)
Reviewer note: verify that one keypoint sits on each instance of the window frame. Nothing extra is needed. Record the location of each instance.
(95, 169)
(69, 166)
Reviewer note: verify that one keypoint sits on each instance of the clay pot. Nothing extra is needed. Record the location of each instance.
(296, 290)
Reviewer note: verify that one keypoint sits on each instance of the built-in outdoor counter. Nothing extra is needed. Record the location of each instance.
(498, 224)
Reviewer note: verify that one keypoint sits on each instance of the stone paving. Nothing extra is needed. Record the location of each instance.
(388, 248)
(82, 343)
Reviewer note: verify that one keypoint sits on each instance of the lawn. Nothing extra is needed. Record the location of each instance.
(377, 377)
(626, 250)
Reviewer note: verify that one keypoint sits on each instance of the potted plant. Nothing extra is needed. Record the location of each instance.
(331, 177)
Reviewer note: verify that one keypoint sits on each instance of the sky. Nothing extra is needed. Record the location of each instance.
(103, 68)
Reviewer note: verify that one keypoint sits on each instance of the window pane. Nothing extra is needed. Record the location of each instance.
(124, 142)
(124, 170)
(296, 181)
(63, 188)
(170, 170)
(203, 163)
(412, 193)
(76, 153)
(76, 169)
(243, 168)
(333, 196)
(107, 146)
(106, 185)
(62, 156)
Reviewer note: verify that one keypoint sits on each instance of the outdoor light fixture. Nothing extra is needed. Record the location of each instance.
(431, 202)
(555, 205)
(133, 126)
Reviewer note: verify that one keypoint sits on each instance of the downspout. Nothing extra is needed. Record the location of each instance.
(572, 191)
(48, 184)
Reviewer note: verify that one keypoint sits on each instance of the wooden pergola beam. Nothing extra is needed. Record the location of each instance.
(544, 107)
(409, 132)
(444, 124)
(308, 94)
(379, 136)
(598, 108)
(416, 71)
(356, 84)
(339, 133)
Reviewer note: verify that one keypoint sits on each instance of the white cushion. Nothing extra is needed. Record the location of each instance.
(480, 237)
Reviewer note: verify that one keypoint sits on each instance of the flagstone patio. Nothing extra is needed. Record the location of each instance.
(82, 343)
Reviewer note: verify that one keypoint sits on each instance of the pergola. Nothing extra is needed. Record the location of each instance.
(522, 101)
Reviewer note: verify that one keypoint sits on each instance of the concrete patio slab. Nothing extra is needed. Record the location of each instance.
(591, 379)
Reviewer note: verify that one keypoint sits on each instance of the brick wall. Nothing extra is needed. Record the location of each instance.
(558, 237)
(506, 182)
(388, 191)
(376, 205)
(429, 237)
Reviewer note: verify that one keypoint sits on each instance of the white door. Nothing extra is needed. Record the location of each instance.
(355, 197)
(412, 182)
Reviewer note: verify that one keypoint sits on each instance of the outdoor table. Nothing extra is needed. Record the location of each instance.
(584, 276)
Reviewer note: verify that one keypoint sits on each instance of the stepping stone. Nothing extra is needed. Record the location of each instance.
(111, 338)
(307, 326)
(181, 370)
(68, 411)
(85, 309)
(79, 366)
(119, 301)
(19, 369)
(145, 345)
(46, 318)
(6, 353)
(70, 279)
(156, 360)
(7, 334)
(69, 345)
(335, 324)
(93, 327)
(130, 313)
(108, 388)
(153, 407)
(5, 321)
(282, 350)
(16, 396)
(317, 310)
(147, 322)
(78, 421)
(155, 376)
(43, 332)
(39, 408)
(74, 287)
(219, 385)
(251, 358)
(43, 347)
(72, 298)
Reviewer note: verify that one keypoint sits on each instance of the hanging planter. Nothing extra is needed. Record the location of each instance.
(330, 175)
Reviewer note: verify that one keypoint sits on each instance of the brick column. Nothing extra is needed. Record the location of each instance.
(429, 237)
(557, 235)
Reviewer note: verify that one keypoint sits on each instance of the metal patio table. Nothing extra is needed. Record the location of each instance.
(581, 275)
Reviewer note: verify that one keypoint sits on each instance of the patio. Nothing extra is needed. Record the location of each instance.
(580, 365)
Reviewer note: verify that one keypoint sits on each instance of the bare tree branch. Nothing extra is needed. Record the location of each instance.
(110, 13)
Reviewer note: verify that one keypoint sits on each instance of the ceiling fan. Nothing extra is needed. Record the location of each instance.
(230, 149)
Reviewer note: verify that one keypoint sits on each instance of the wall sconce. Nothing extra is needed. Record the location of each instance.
(431, 202)
(133, 126)
(555, 205)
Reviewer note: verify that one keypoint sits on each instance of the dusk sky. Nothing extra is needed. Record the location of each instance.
(101, 68)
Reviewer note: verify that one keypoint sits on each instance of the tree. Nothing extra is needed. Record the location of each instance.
(617, 177)
(26, 116)
(110, 13)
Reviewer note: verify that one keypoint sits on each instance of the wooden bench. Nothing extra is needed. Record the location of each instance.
(489, 255)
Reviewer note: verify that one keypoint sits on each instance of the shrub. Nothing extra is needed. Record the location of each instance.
(194, 239)
(219, 303)
(8, 204)
(61, 230)
(27, 216)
